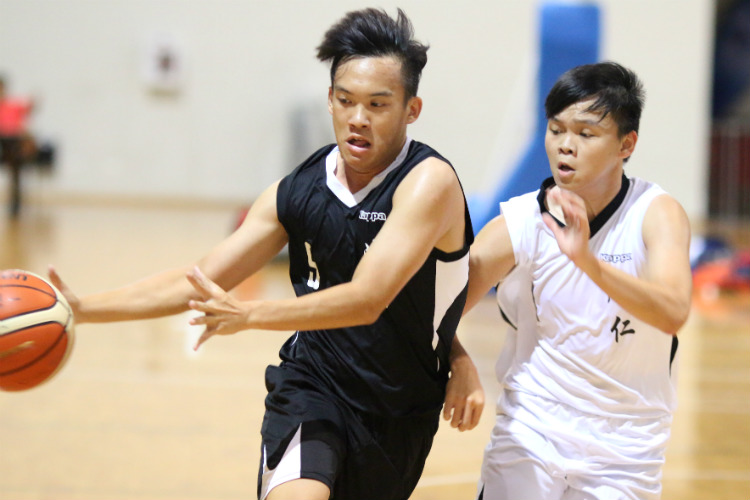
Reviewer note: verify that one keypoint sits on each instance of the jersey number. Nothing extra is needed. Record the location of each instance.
(313, 281)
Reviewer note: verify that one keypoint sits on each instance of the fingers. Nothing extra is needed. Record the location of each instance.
(457, 421)
(204, 337)
(472, 413)
(447, 411)
(71, 298)
(203, 286)
(201, 283)
(55, 278)
(551, 223)
(466, 415)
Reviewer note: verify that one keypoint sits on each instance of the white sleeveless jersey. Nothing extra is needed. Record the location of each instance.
(573, 344)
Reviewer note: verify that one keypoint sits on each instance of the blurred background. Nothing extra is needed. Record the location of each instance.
(214, 100)
(155, 123)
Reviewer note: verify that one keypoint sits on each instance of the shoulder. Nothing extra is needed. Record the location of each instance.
(664, 208)
(313, 160)
(665, 218)
(432, 177)
(304, 174)
(425, 167)
(656, 202)
(419, 151)
(521, 207)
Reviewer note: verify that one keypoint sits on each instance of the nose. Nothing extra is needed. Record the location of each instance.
(566, 145)
(358, 117)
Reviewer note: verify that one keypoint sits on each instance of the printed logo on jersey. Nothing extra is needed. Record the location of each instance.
(371, 216)
(616, 258)
(620, 328)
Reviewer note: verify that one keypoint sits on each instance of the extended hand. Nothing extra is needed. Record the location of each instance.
(573, 238)
(222, 314)
(70, 297)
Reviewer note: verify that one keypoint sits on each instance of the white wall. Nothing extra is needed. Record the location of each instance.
(250, 67)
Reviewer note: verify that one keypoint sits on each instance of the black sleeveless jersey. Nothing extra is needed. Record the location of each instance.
(399, 365)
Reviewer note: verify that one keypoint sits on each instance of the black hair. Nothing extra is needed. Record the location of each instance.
(373, 33)
(616, 91)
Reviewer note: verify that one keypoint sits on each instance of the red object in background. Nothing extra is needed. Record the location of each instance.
(13, 114)
(729, 273)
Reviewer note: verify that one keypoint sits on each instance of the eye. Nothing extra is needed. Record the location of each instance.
(344, 100)
(586, 134)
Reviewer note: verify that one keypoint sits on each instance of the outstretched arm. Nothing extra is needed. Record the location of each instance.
(660, 298)
(252, 245)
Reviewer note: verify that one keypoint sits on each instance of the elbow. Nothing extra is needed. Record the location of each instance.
(370, 311)
(672, 323)
(364, 305)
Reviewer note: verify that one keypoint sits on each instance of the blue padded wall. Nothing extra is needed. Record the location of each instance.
(568, 37)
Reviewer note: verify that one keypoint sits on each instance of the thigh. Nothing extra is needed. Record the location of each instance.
(386, 456)
(303, 432)
(614, 482)
(310, 434)
(597, 490)
(520, 463)
(617, 458)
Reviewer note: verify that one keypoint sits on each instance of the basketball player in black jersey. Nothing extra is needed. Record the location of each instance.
(378, 233)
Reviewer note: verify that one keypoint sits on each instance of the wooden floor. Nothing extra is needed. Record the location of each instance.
(135, 415)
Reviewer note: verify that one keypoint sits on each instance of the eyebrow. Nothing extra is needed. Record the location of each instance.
(581, 121)
(383, 93)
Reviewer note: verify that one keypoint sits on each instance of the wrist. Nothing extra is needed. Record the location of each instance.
(589, 264)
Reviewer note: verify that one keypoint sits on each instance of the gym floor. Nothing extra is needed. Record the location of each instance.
(136, 415)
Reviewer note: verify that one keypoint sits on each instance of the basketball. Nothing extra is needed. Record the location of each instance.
(36, 330)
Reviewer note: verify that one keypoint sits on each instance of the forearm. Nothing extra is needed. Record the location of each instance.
(662, 306)
(159, 295)
(458, 353)
(343, 305)
(460, 359)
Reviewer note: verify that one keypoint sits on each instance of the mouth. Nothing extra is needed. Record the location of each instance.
(358, 142)
(564, 168)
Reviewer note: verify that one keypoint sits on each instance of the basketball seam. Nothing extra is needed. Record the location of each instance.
(42, 355)
(51, 292)
(25, 313)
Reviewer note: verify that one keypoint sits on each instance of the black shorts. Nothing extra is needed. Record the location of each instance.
(357, 455)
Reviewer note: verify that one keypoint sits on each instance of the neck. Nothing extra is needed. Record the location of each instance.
(606, 191)
(355, 179)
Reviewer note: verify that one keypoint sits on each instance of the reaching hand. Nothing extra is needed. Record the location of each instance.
(70, 297)
(573, 238)
(222, 314)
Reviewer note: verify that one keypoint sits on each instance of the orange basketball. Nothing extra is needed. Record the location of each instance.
(36, 330)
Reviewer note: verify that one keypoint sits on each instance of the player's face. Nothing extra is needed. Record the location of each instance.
(369, 112)
(585, 152)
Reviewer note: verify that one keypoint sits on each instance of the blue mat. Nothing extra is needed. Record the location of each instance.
(569, 36)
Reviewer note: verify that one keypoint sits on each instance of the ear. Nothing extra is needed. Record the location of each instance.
(627, 145)
(414, 109)
(330, 100)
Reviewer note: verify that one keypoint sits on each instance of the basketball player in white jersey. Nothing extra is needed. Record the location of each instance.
(378, 233)
(597, 285)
